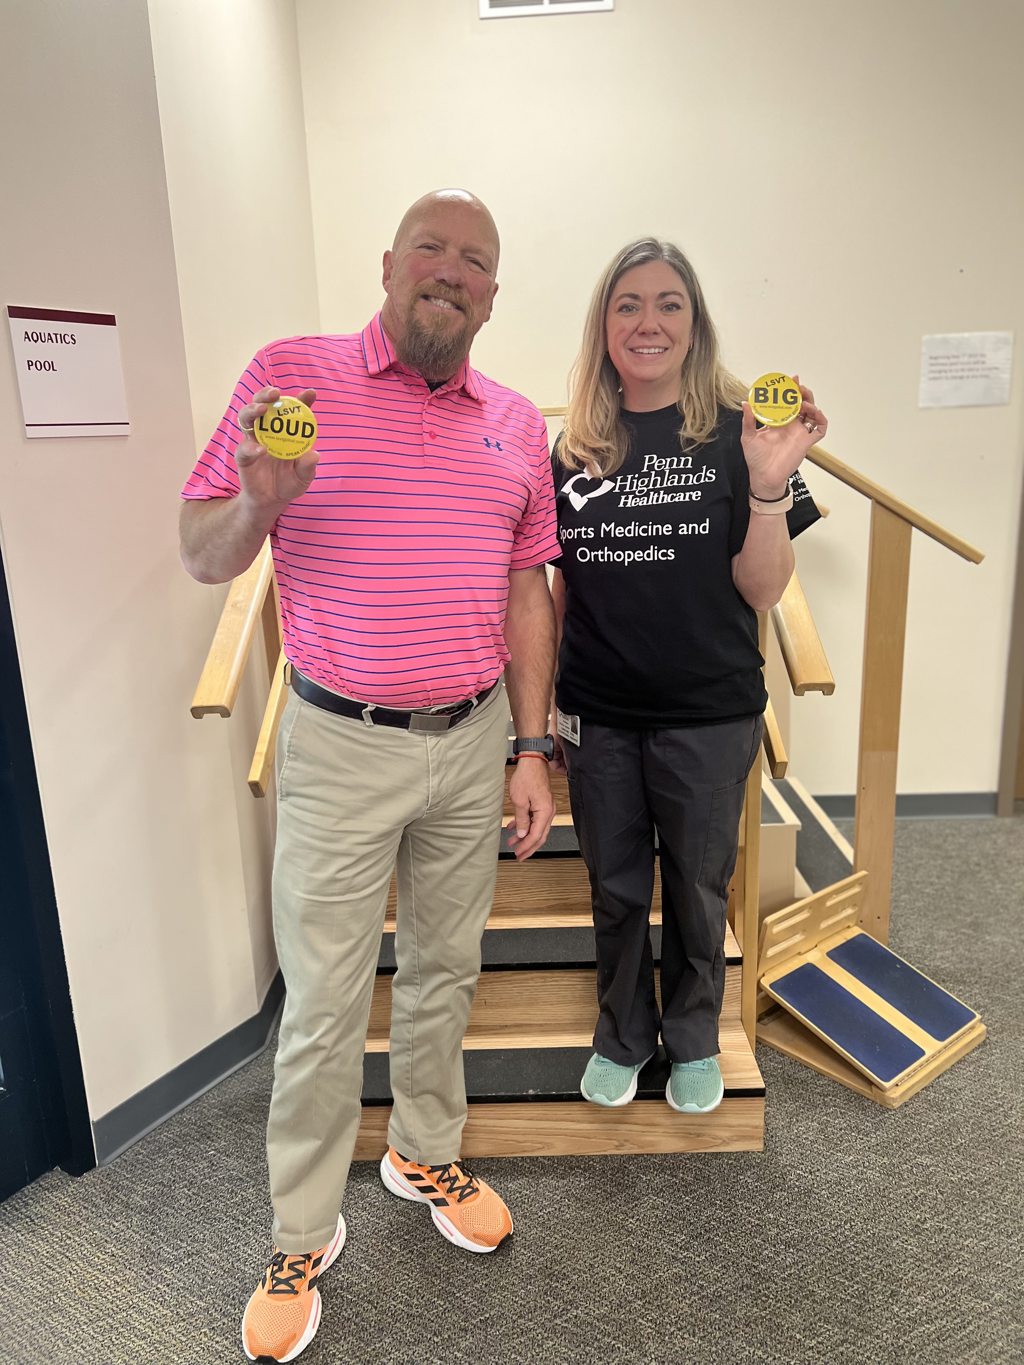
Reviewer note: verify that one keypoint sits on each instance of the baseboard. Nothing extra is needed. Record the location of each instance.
(921, 806)
(140, 1114)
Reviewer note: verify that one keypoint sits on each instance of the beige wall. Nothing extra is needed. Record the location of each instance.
(844, 178)
(235, 153)
(138, 799)
(234, 140)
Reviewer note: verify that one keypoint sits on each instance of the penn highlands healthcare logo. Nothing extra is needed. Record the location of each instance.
(582, 487)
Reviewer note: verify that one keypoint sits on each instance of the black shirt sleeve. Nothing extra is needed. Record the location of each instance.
(558, 477)
(804, 511)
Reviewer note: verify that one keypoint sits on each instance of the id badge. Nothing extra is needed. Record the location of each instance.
(568, 728)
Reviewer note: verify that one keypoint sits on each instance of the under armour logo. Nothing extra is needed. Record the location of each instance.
(491, 445)
(579, 500)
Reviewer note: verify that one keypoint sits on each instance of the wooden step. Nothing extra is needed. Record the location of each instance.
(528, 1009)
(527, 1103)
(553, 893)
(540, 893)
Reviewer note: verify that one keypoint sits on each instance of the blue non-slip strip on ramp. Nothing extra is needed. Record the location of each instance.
(928, 1005)
(883, 1051)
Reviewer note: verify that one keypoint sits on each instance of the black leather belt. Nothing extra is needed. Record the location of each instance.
(430, 722)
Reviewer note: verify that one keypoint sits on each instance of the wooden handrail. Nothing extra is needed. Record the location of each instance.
(217, 690)
(263, 757)
(774, 744)
(800, 643)
(824, 460)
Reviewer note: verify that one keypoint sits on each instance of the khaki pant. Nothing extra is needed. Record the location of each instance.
(353, 802)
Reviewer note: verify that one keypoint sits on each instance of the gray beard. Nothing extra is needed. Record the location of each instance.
(436, 355)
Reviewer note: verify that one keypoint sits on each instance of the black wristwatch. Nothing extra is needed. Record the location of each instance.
(545, 746)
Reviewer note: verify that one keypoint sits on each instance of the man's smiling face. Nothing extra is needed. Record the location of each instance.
(440, 282)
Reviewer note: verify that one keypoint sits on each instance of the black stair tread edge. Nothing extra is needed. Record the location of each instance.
(561, 841)
(533, 1075)
(536, 949)
(505, 855)
(818, 859)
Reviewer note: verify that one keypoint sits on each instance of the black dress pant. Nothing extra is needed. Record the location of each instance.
(687, 786)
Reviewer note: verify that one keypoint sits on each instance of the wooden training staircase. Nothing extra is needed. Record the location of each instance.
(531, 1026)
(530, 1032)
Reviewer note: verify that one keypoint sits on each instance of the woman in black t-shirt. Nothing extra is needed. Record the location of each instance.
(675, 514)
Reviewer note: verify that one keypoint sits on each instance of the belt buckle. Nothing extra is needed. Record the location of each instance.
(423, 722)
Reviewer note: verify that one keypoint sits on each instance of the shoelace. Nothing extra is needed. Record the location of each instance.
(286, 1280)
(450, 1175)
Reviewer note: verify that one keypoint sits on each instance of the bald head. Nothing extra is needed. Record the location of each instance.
(459, 199)
(440, 280)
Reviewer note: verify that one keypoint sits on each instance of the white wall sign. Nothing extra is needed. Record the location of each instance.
(965, 369)
(69, 372)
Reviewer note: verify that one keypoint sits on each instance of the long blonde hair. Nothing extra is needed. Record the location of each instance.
(594, 436)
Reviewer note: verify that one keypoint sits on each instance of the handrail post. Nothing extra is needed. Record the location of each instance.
(748, 926)
(271, 615)
(884, 637)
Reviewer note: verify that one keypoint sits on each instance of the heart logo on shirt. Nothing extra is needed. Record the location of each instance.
(581, 488)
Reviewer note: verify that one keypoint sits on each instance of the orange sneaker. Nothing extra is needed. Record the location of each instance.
(283, 1313)
(464, 1209)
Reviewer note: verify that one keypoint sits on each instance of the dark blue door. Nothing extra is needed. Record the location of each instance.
(44, 1120)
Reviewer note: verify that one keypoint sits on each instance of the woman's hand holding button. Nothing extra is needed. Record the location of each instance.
(773, 453)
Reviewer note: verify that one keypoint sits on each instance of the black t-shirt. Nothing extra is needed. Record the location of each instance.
(655, 632)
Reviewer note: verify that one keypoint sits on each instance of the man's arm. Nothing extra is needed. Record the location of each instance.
(530, 637)
(220, 537)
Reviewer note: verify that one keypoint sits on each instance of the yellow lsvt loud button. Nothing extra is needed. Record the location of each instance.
(774, 399)
(287, 429)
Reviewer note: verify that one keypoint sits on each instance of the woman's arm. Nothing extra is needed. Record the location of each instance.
(764, 565)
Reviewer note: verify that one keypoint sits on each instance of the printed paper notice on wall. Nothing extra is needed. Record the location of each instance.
(965, 369)
(69, 372)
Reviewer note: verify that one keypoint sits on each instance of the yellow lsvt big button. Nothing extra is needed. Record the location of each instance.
(287, 429)
(774, 399)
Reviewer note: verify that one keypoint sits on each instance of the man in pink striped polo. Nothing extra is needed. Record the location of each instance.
(409, 549)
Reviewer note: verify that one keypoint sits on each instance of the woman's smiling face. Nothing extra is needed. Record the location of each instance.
(649, 326)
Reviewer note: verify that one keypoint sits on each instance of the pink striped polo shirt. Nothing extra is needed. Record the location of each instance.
(393, 566)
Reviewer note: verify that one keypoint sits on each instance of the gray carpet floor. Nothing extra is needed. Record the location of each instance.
(859, 1235)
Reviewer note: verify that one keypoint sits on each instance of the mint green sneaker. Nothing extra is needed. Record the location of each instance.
(609, 1084)
(695, 1087)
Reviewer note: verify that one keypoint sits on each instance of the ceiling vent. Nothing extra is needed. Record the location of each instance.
(518, 9)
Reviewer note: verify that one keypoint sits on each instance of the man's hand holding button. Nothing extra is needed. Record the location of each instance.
(266, 481)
